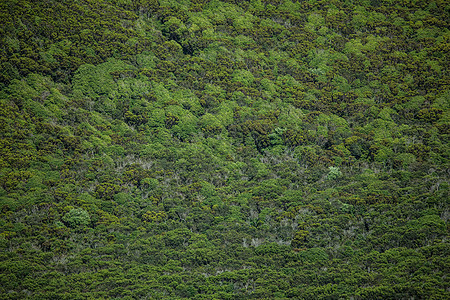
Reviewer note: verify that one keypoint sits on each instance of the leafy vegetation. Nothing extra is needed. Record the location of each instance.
(224, 149)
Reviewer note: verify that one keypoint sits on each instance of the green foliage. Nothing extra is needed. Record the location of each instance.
(77, 217)
(334, 173)
(94, 81)
(197, 149)
(244, 77)
(152, 216)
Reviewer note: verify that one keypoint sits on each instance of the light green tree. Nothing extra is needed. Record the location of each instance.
(334, 173)
(77, 217)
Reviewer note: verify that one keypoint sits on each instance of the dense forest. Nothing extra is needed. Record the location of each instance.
(264, 149)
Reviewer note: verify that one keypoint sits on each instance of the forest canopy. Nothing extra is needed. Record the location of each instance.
(160, 149)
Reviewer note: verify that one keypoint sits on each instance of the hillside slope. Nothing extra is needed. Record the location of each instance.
(224, 149)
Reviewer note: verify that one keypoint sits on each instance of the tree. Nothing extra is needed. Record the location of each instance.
(76, 218)
(334, 173)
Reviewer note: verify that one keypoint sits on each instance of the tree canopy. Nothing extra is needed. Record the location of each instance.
(206, 149)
